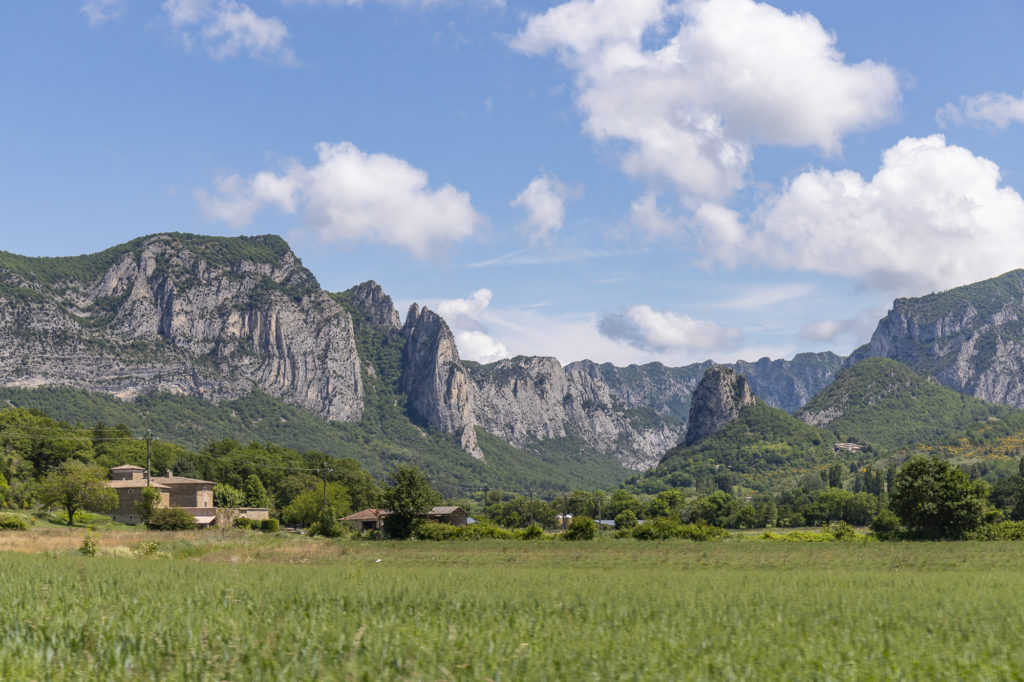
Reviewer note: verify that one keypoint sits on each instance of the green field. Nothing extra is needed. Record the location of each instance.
(282, 608)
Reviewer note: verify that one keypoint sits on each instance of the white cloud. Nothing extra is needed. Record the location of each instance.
(544, 202)
(645, 214)
(995, 108)
(933, 216)
(763, 297)
(735, 74)
(643, 327)
(463, 316)
(402, 3)
(99, 12)
(228, 28)
(351, 196)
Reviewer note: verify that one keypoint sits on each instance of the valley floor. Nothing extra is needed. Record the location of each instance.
(248, 606)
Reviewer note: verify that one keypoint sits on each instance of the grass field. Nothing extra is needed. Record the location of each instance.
(253, 607)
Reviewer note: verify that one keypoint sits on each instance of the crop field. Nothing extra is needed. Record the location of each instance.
(268, 608)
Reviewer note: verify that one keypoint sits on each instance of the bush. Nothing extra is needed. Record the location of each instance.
(270, 525)
(581, 528)
(625, 520)
(841, 530)
(1007, 530)
(327, 525)
(89, 544)
(669, 527)
(885, 525)
(531, 532)
(146, 548)
(432, 530)
(13, 522)
(171, 518)
(242, 522)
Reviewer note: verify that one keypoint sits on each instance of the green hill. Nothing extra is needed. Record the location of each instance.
(759, 449)
(885, 403)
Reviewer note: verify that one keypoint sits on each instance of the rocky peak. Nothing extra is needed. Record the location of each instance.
(378, 307)
(435, 382)
(717, 400)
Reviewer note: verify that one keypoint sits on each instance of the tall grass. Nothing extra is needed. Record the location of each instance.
(516, 611)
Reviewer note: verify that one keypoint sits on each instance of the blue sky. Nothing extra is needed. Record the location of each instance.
(619, 180)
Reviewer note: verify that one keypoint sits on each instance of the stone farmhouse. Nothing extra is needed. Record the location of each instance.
(192, 494)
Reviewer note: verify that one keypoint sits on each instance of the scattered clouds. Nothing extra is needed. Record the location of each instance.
(763, 297)
(463, 315)
(645, 214)
(548, 257)
(727, 75)
(228, 28)
(826, 330)
(426, 4)
(992, 108)
(351, 196)
(99, 12)
(933, 216)
(544, 202)
(645, 328)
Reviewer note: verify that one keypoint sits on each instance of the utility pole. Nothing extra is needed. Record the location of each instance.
(149, 458)
(531, 507)
(488, 490)
(324, 470)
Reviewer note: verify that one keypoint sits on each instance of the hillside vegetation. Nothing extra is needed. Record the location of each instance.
(885, 403)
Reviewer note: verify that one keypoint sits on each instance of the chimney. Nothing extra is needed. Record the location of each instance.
(170, 474)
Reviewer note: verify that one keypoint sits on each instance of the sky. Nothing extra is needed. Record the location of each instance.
(625, 181)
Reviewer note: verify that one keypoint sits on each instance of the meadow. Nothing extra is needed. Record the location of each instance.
(249, 606)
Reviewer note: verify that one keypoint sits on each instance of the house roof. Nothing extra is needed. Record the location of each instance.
(137, 483)
(127, 467)
(445, 511)
(180, 480)
(367, 515)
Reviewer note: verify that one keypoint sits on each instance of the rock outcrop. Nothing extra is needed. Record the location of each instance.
(433, 379)
(970, 339)
(208, 317)
(378, 308)
(718, 399)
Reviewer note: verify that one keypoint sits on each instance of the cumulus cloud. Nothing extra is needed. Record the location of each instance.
(99, 12)
(645, 214)
(763, 297)
(993, 108)
(933, 216)
(544, 202)
(727, 75)
(350, 196)
(645, 328)
(228, 28)
(463, 315)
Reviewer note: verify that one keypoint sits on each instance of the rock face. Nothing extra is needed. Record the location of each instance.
(435, 382)
(789, 384)
(208, 317)
(719, 397)
(970, 339)
(377, 306)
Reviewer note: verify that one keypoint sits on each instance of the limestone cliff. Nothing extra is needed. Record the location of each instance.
(377, 307)
(718, 399)
(434, 381)
(209, 317)
(970, 339)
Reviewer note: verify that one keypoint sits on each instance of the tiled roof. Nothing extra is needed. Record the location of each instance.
(136, 483)
(180, 480)
(367, 515)
(445, 511)
(127, 467)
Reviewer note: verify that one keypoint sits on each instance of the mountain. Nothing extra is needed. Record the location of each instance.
(883, 402)
(719, 398)
(970, 339)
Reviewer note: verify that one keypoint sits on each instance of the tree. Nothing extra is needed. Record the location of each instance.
(149, 500)
(305, 509)
(935, 499)
(625, 519)
(73, 486)
(229, 496)
(255, 494)
(581, 528)
(408, 496)
(171, 518)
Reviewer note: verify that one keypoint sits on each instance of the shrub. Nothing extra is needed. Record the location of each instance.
(89, 544)
(171, 518)
(885, 525)
(242, 522)
(841, 530)
(669, 527)
(625, 520)
(1007, 530)
(146, 548)
(327, 525)
(531, 532)
(581, 528)
(432, 530)
(13, 522)
(270, 525)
